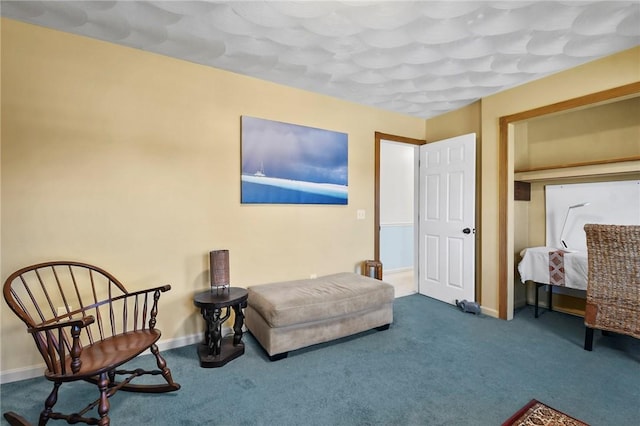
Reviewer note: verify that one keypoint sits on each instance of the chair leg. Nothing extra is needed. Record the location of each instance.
(103, 405)
(166, 372)
(588, 339)
(125, 385)
(48, 404)
(112, 377)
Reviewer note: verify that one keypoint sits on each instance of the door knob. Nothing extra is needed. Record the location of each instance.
(466, 231)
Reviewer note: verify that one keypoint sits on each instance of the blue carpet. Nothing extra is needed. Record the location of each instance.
(434, 366)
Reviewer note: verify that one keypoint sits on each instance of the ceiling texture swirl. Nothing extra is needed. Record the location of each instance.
(418, 58)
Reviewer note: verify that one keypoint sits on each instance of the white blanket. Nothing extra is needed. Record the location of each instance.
(535, 267)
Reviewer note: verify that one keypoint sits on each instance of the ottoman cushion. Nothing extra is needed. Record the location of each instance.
(294, 302)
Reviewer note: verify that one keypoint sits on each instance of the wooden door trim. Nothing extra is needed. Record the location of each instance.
(379, 137)
(503, 171)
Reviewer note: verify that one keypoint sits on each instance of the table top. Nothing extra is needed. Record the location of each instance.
(220, 298)
(535, 267)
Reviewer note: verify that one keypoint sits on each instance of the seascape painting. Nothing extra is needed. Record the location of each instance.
(291, 164)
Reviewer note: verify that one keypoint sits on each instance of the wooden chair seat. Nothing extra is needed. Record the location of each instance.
(108, 354)
(87, 326)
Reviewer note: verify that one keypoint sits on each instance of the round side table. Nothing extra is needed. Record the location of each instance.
(215, 306)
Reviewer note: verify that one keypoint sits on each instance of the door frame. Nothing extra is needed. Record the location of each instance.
(379, 137)
(505, 174)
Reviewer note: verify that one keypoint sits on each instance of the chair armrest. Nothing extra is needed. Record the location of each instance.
(79, 322)
(152, 310)
(163, 288)
(55, 356)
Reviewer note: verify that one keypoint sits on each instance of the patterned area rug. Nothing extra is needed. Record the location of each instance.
(535, 413)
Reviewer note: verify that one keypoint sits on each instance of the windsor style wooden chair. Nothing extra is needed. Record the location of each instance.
(86, 326)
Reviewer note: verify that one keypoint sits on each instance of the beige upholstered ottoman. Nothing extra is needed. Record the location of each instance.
(290, 315)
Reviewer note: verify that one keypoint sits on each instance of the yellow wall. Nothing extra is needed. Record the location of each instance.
(604, 132)
(131, 161)
(459, 122)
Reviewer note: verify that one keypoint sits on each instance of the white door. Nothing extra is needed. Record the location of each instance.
(447, 219)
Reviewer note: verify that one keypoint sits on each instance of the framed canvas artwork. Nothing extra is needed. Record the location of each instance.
(290, 164)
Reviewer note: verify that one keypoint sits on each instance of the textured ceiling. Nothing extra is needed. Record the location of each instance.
(419, 58)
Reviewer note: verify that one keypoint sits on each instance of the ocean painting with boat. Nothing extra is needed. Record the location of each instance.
(291, 164)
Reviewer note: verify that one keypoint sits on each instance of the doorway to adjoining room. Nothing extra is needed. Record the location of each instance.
(397, 215)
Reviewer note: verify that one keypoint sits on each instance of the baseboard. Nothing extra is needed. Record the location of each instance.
(398, 295)
(24, 373)
(179, 342)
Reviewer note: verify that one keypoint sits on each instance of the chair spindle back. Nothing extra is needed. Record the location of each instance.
(77, 293)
